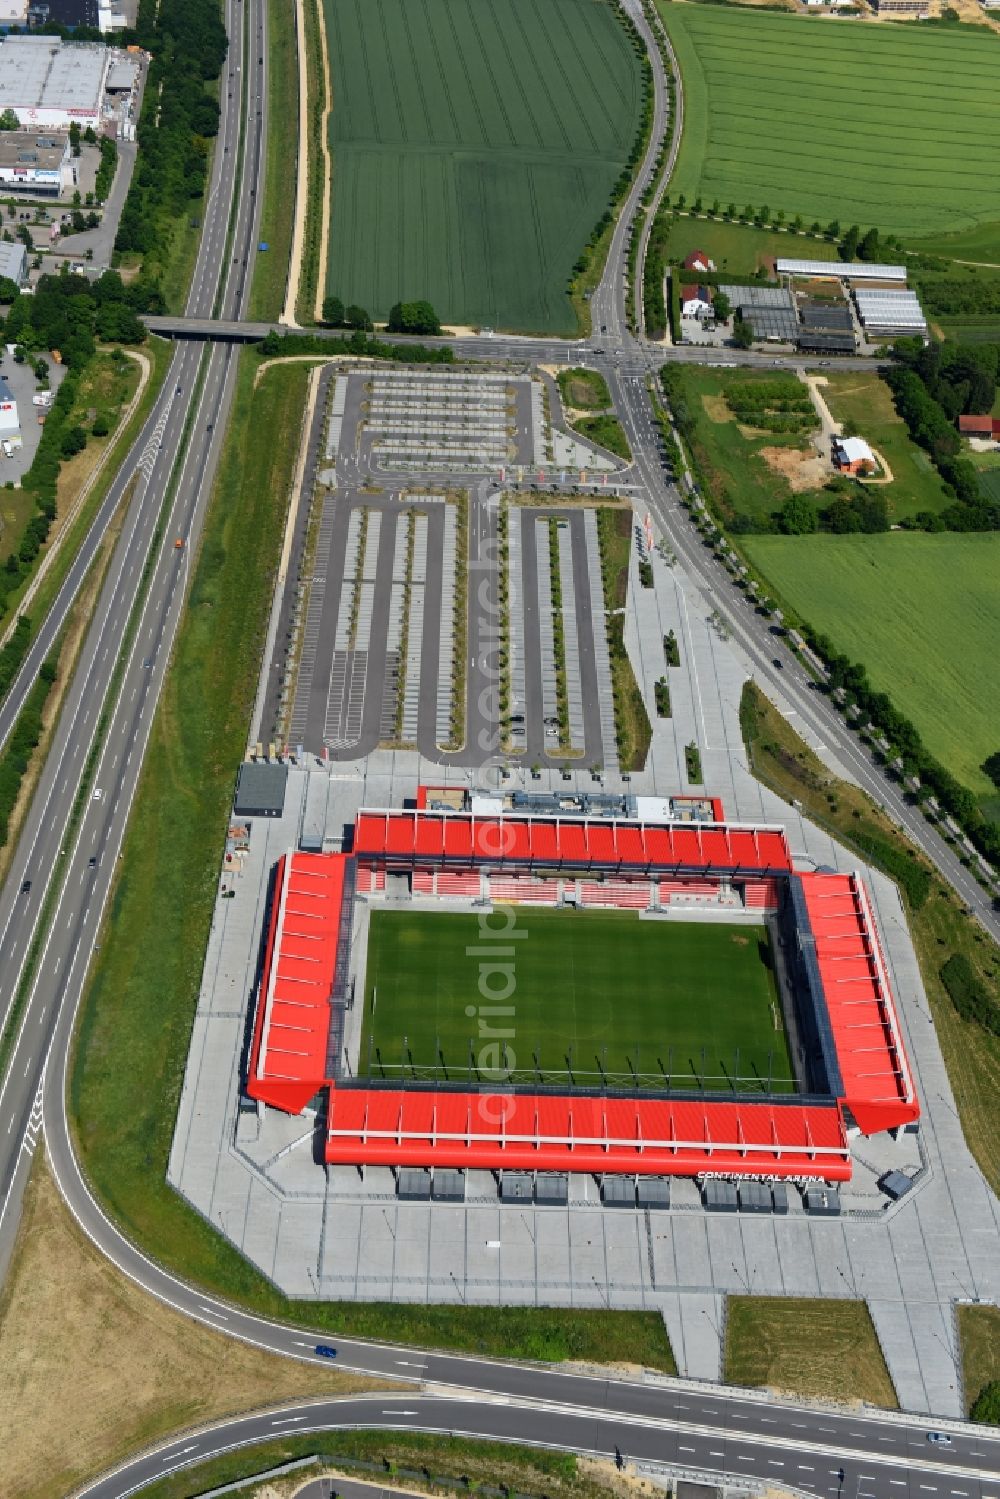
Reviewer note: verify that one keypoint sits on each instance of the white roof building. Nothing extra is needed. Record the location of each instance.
(850, 450)
(10, 425)
(50, 83)
(13, 261)
(842, 270)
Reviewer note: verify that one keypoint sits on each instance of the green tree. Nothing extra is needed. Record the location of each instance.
(9, 120)
(868, 248)
(333, 312)
(413, 318)
(849, 243)
(797, 516)
(722, 307)
(991, 767)
(742, 334)
(357, 317)
(74, 137)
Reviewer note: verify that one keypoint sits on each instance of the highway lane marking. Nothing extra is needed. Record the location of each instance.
(212, 1312)
(288, 1420)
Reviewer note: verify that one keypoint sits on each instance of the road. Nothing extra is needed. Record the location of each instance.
(847, 1454)
(67, 852)
(838, 1456)
(752, 632)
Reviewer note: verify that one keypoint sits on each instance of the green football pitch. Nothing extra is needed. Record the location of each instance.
(575, 996)
(475, 146)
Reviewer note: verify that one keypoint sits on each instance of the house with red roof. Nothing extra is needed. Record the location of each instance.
(699, 261)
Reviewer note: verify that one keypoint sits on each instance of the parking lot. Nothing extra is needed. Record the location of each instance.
(23, 385)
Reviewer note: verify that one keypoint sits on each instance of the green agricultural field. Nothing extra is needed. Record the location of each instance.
(740, 249)
(592, 990)
(794, 113)
(922, 613)
(476, 143)
(863, 403)
(738, 463)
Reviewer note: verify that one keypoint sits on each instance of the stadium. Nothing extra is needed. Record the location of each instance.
(544, 991)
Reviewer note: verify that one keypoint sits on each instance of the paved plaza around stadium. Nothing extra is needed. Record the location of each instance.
(331, 1233)
(585, 996)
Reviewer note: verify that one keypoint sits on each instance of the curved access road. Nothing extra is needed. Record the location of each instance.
(785, 1448)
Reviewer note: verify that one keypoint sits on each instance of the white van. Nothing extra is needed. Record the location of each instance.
(8, 448)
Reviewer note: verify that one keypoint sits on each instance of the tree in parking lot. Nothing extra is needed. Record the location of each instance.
(722, 307)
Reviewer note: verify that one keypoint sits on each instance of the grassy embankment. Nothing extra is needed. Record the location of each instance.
(633, 728)
(588, 410)
(457, 1464)
(938, 925)
(826, 1349)
(137, 1013)
(979, 1329)
(310, 269)
(267, 294)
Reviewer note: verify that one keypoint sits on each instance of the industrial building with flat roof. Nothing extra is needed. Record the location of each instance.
(36, 160)
(13, 262)
(49, 83)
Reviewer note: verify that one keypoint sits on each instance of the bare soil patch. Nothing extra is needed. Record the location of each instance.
(802, 468)
(122, 1370)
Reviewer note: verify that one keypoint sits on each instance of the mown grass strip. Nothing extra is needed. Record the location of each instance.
(137, 1013)
(826, 1349)
(267, 294)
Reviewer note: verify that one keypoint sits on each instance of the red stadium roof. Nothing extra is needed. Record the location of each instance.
(514, 838)
(288, 1061)
(545, 1133)
(574, 1132)
(877, 1086)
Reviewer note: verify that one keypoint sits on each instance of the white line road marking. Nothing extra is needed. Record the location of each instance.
(288, 1420)
(178, 1454)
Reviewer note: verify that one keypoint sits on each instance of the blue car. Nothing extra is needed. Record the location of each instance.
(325, 1352)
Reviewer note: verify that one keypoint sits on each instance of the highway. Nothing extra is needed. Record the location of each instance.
(65, 858)
(701, 1428)
(852, 1457)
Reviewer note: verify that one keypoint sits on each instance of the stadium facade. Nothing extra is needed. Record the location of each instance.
(853, 1073)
